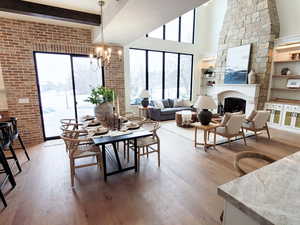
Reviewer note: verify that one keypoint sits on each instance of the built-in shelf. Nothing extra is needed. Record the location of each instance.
(285, 89)
(285, 101)
(287, 76)
(286, 61)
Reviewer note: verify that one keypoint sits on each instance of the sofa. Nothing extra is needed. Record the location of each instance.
(166, 109)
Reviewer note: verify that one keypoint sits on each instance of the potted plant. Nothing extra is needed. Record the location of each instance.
(103, 98)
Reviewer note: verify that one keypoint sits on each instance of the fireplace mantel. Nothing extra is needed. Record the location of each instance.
(248, 92)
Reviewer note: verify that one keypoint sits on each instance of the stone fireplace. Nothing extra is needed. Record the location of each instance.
(248, 22)
(247, 92)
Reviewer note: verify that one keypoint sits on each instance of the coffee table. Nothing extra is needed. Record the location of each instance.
(179, 120)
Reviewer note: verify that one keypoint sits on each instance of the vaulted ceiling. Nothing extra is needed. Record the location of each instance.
(124, 20)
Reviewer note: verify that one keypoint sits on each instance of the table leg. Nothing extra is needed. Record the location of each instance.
(215, 137)
(117, 156)
(135, 155)
(205, 140)
(195, 137)
(104, 162)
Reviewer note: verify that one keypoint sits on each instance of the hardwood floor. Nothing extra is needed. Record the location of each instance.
(183, 191)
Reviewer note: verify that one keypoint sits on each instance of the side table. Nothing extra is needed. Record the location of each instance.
(206, 129)
(143, 111)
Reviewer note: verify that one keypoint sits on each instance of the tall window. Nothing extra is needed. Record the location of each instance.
(137, 74)
(181, 29)
(155, 67)
(164, 74)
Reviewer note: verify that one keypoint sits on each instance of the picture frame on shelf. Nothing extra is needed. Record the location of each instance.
(293, 83)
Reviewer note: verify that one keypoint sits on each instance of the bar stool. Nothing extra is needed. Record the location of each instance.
(6, 169)
(15, 135)
(5, 134)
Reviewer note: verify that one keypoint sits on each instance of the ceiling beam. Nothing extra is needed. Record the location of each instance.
(50, 12)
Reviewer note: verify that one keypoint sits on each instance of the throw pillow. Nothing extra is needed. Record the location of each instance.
(166, 103)
(178, 103)
(187, 103)
(251, 116)
(158, 104)
(171, 103)
(225, 119)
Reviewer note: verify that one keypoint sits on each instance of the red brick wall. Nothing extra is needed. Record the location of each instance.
(18, 40)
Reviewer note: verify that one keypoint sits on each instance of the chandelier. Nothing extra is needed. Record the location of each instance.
(103, 53)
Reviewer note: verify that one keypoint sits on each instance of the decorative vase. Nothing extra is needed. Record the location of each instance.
(252, 77)
(145, 102)
(104, 113)
(205, 117)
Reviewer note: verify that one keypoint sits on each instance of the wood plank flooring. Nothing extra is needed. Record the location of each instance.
(183, 191)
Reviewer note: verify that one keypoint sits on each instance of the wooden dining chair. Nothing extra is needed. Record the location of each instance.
(148, 145)
(79, 148)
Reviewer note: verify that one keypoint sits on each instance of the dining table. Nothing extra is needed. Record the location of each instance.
(103, 141)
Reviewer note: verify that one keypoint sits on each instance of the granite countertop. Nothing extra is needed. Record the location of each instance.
(270, 195)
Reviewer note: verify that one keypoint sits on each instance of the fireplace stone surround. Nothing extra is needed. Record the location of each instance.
(248, 92)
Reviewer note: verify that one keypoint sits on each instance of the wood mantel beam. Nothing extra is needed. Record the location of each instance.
(50, 12)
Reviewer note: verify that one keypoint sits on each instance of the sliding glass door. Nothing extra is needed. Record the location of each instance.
(64, 82)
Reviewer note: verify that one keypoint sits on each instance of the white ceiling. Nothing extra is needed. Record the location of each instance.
(90, 6)
(138, 17)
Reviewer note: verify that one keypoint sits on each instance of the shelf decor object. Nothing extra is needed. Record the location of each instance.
(293, 83)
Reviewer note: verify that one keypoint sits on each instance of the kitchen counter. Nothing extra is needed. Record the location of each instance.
(269, 195)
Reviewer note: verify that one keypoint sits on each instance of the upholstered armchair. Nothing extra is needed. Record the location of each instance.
(259, 123)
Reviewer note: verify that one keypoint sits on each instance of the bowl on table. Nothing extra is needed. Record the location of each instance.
(87, 118)
(93, 123)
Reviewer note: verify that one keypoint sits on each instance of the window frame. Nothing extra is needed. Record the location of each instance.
(179, 30)
(164, 70)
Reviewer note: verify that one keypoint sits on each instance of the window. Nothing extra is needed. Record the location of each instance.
(155, 67)
(187, 31)
(64, 82)
(164, 74)
(181, 29)
(157, 33)
(172, 30)
(137, 74)
(185, 83)
(171, 75)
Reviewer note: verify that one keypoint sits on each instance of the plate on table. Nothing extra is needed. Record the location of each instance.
(88, 118)
(100, 131)
(93, 123)
(133, 126)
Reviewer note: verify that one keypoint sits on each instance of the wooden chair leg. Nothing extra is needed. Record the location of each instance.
(158, 154)
(147, 151)
(3, 199)
(268, 132)
(255, 133)
(23, 146)
(72, 169)
(244, 137)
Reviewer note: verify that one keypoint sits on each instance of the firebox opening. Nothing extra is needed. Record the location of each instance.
(234, 105)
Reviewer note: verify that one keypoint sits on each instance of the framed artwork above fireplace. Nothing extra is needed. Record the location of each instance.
(237, 65)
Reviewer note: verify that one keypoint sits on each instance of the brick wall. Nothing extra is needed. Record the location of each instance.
(18, 40)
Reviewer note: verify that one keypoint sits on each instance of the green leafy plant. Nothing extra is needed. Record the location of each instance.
(101, 95)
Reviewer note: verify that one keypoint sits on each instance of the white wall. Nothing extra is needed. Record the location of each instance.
(289, 15)
(209, 20)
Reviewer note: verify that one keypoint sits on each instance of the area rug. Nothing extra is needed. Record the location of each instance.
(189, 133)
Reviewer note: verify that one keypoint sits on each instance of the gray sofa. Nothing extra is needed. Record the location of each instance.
(166, 113)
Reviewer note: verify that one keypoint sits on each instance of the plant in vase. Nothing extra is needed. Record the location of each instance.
(104, 99)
